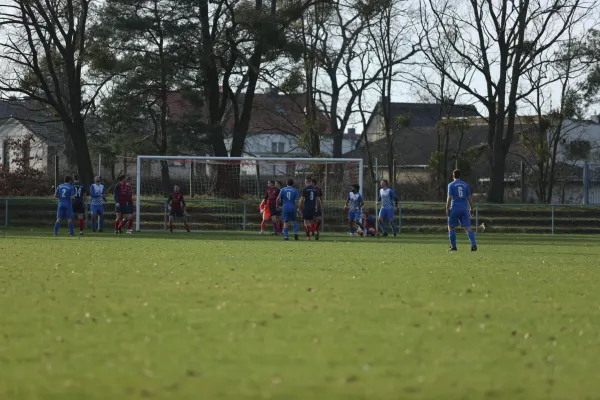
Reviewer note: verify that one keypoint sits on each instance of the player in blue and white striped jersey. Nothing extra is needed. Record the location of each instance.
(96, 206)
(389, 202)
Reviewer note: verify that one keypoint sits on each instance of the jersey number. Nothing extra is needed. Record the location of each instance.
(64, 193)
(77, 192)
(312, 195)
(289, 195)
(460, 192)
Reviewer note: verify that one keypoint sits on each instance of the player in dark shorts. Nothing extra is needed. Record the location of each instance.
(121, 197)
(271, 199)
(177, 208)
(78, 201)
(130, 216)
(309, 203)
(319, 212)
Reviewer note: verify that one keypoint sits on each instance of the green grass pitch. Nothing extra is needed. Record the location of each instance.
(238, 316)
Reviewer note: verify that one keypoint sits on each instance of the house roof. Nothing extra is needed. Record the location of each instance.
(271, 112)
(414, 145)
(424, 114)
(34, 116)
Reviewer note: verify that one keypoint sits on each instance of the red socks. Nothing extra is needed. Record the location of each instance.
(186, 226)
(318, 224)
(130, 224)
(81, 225)
(313, 227)
(170, 227)
(307, 230)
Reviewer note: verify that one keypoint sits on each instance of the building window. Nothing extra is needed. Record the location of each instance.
(277, 147)
(579, 149)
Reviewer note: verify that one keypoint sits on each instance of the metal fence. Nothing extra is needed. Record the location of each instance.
(243, 215)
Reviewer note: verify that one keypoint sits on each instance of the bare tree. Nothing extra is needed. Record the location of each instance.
(549, 127)
(237, 38)
(43, 50)
(497, 41)
(389, 38)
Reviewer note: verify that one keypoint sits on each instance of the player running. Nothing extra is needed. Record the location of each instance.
(121, 197)
(309, 203)
(319, 212)
(177, 208)
(387, 197)
(354, 205)
(459, 196)
(78, 201)
(96, 206)
(288, 199)
(271, 196)
(63, 193)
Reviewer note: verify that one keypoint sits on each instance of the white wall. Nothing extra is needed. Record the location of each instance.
(14, 130)
(578, 130)
(262, 145)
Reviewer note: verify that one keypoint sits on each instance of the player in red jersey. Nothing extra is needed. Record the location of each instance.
(271, 198)
(129, 206)
(319, 212)
(121, 197)
(177, 208)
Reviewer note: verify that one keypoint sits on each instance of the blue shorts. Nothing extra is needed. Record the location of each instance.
(459, 216)
(354, 216)
(386, 214)
(64, 211)
(97, 210)
(289, 215)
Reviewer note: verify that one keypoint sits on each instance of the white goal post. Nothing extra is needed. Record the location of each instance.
(215, 187)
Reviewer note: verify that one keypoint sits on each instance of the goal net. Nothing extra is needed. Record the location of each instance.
(225, 193)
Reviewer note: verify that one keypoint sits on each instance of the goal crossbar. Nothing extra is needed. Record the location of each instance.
(140, 158)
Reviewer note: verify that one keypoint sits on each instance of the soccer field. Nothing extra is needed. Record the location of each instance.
(238, 316)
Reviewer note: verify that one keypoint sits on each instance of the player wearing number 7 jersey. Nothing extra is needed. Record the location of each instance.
(459, 198)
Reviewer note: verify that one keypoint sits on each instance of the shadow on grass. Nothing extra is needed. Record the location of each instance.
(406, 238)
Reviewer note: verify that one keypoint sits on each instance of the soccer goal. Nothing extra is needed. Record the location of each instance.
(224, 193)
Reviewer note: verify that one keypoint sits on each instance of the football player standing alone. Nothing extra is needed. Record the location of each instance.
(388, 199)
(459, 196)
(177, 208)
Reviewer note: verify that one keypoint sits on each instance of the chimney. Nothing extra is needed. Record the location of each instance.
(595, 118)
(351, 131)
(273, 91)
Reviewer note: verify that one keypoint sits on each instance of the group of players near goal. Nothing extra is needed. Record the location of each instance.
(280, 206)
(72, 198)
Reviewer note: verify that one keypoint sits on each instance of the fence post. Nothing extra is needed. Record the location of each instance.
(400, 218)
(476, 218)
(244, 214)
(376, 193)
(85, 214)
(5, 212)
(553, 219)
(166, 214)
(522, 181)
(586, 186)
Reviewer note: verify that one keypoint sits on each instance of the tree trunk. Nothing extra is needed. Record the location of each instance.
(84, 162)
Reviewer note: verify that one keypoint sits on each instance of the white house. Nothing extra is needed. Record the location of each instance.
(22, 145)
(580, 142)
